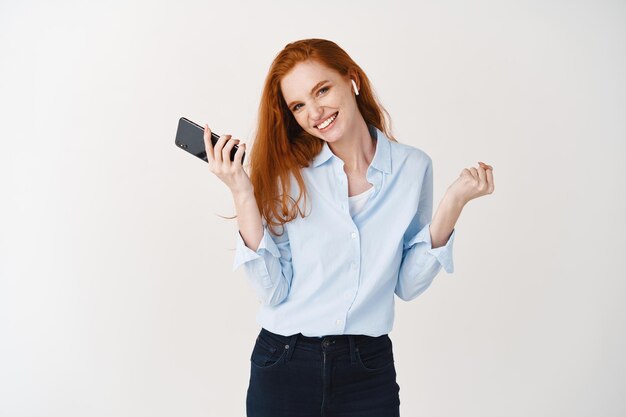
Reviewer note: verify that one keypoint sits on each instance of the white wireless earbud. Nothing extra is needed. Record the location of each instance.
(356, 91)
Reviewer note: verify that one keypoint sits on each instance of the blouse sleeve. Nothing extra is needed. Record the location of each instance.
(420, 262)
(268, 269)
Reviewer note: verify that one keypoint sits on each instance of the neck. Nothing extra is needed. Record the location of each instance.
(356, 150)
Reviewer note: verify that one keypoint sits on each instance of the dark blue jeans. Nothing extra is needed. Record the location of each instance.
(333, 376)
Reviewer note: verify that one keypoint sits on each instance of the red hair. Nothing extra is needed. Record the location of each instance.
(281, 146)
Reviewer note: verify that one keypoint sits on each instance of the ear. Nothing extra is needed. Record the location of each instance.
(352, 75)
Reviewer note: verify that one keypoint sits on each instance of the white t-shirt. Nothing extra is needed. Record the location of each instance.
(357, 202)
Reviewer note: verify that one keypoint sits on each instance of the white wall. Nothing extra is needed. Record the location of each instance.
(116, 291)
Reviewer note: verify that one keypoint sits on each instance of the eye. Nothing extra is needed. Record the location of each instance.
(324, 88)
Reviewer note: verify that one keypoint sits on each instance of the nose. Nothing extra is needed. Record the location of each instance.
(316, 112)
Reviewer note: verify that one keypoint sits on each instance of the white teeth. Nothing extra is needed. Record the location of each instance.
(327, 122)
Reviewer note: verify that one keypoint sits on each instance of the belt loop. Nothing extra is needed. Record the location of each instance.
(352, 349)
(291, 347)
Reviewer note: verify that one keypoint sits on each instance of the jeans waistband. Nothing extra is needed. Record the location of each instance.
(330, 342)
(315, 341)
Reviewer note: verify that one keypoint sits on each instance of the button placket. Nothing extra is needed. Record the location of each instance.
(343, 189)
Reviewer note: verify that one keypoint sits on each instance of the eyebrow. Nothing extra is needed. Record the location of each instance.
(312, 90)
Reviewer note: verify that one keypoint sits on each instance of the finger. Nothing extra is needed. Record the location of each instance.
(474, 173)
(218, 148)
(239, 156)
(482, 177)
(208, 145)
(490, 183)
(226, 151)
(484, 165)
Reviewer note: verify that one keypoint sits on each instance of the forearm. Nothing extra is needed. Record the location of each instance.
(249, 219)
(444, 220)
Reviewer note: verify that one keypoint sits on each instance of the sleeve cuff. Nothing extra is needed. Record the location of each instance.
(244, 254)
(442, 253)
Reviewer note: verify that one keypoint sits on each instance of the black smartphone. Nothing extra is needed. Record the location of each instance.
(190, 137)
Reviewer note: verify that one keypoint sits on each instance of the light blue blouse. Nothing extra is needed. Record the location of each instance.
(331, 273)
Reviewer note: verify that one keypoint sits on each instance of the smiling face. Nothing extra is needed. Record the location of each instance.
(321, 100)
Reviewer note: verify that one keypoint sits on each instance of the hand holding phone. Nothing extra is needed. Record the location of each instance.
(190, 137)
(211, 148)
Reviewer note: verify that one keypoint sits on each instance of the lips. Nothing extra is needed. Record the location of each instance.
(334, 116)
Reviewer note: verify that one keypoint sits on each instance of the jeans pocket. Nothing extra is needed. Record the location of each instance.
(375, 356)
(266, 354)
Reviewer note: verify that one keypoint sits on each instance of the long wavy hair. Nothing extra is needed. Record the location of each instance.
(281, 147)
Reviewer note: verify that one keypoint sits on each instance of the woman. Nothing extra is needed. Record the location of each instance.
(354, 210)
